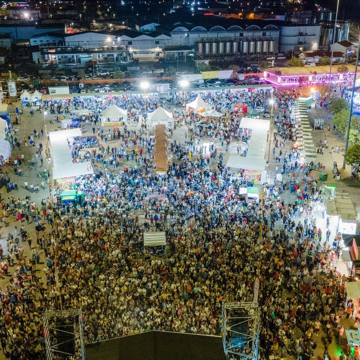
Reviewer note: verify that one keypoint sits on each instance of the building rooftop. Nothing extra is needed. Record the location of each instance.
(322, 53)
(308, 70)
(345, 43)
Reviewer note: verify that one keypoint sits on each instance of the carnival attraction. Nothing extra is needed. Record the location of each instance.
(308, 75)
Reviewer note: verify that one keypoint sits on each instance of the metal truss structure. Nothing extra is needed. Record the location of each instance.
(240, 329)
(72, 326)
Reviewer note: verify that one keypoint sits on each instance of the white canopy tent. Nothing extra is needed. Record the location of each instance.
(113, 115)
(25, 96)
(198, 104)
(5, 149)
(158, 117)
(3, 128)
(211, 113)
(63, 165)
(36, 96)
(353, 289)
(153, 238)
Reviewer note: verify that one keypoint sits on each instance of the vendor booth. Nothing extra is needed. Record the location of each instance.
(198, 105)
(155, 242)
(240, 109)
(72, 196)
(25, 98)
(36, 98)
(113, 116)
(160, 117)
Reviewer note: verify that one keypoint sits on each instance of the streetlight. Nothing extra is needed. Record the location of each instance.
(45, 113)
(334, 38)
(184, 84)
(272, 102)
(144, 85)
(351, 105)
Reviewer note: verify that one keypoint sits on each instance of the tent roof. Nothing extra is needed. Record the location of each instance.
(154, 238)
(197, 104)
(37, 95)
(211, 113)
(160, 114)
(5, 149)
(114, 111)
(25, 95)
(353, 289)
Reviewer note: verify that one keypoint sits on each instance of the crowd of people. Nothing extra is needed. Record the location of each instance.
(218, 244)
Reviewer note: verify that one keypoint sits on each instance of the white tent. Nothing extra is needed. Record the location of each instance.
(114, 112)
(36, 96)
(160, 114)
(5, 149)
(154, 238)
(198, 104)
(158, 117)
(113, 116)
(211, 113)
(25, 96)
(353, 289)
(3, 127)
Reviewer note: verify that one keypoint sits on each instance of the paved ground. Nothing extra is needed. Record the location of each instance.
(29, 123)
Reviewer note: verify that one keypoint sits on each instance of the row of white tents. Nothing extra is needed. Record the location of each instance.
(27, 97)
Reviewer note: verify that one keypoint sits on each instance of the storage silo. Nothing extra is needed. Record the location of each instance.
(252, 47)
(235, 47)
(265, 46)
(228, 47)
(221, 47)
(271, 46)
(258, 46)
(214, 46)
(200, 47)
(207, 48)
(245, 47)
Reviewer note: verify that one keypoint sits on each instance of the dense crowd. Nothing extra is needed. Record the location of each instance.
(218, 244)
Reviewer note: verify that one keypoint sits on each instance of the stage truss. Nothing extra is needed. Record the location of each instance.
(74, 329)
(240, 329)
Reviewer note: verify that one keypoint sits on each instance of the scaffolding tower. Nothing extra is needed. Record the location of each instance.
(64, 334)
(240, 329)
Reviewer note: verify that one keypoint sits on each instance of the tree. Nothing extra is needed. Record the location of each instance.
(170, 71)
(263, 65)
(354, 136)
(204, 67)
(325, 60)
(295, 62)
(353, 155)
(338, 104)
(342, 69)
(81, 74)
(118, 74)
(341, 121)
(234, 68)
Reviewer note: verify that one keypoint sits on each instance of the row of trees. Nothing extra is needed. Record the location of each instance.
(341, 111)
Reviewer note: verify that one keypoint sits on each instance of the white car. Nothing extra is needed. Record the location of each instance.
(260, 109)
(23, 78)
(102, 90)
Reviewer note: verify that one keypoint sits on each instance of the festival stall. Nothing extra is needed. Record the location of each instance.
(113, 116)
(198, 105)
(25, 98)
(240, 109)
(160, 149)
(160, 117)
(36, 98)
(155, 242)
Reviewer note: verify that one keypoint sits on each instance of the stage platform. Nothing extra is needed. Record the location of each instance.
(158, 345)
